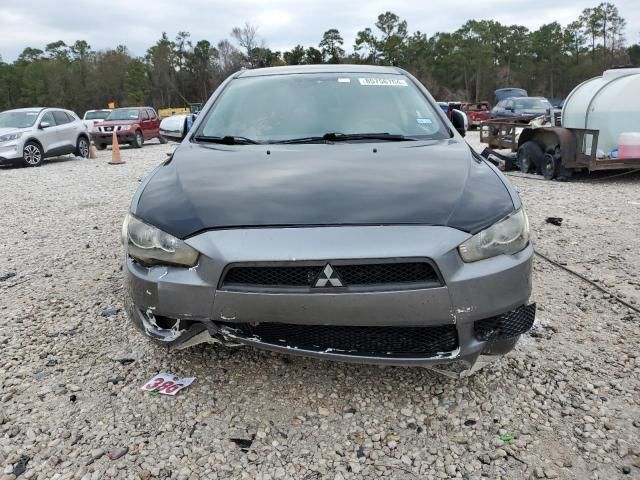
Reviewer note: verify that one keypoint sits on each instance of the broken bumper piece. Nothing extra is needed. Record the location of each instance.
(390, 345)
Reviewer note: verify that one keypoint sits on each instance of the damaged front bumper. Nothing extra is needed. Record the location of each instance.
(489, 336)
(478, 309)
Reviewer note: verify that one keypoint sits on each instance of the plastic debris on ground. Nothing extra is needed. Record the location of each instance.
(21, 465)
(166, 384)
(460, 370)
(243, 443)
(506, 438)
(554, 221)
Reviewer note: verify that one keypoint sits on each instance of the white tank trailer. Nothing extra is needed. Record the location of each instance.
(609, 103)
(600, 129)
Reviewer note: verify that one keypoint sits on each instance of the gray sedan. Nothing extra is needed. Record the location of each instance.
(330, 211)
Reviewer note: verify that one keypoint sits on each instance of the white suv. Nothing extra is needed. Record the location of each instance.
(93, 117)
(29, 135)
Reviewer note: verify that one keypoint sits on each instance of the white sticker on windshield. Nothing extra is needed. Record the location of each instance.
(424, 121)
(387, 82)
(344, 80)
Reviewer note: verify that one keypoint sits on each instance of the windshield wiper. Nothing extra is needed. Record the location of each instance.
(226, 140)
(343, 137)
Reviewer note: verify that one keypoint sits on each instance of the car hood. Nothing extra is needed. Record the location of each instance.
(214, 186)
(530, 112)
(112, 123)
(8, 130)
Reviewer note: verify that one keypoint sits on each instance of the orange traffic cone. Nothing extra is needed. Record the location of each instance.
(115, 151)
(93, 154)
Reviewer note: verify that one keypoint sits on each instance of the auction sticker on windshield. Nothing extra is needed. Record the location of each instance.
(386, 82)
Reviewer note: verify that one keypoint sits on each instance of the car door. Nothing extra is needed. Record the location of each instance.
(154, 123)
(47, 132)
(66, 130)
(498, 109)
(144, 124)
(509, 109)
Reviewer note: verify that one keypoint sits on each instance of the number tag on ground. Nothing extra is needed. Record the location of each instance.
(167, 384)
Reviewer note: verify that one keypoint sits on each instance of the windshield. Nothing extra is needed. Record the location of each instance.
(123, 114)
(276, 108)
(532, 104)
(18, 119)
(97, 115)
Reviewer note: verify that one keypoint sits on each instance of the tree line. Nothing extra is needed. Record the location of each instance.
(468, 64)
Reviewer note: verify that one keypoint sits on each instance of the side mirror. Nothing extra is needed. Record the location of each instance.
(176, 127)
(44, 125)
(459, 121)
(508, 108)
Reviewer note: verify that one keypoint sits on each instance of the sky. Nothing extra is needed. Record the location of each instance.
(281, 23)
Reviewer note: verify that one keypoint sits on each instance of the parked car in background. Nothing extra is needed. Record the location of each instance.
(29, 135)
(476, 112)
(504, 93)
(529, 107)
(447, 106)
(93, 117)
(556, 103)
(283, 221)
(133, 126)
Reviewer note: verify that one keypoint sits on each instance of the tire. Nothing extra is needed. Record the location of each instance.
(32, 154)
(563, 174)
(163, 140)
(549, 166)
(82, 147)
(138, 140)
(100, 146)
(510, 164)
(530, 156)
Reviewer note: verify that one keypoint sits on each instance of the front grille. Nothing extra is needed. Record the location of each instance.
(374, 274)
(400, 342)
(272, 276)
(353, 275)
(507, 325)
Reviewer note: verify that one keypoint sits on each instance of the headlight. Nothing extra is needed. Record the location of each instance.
(508, 236)
(10, 136)
(151, 246)
(125, 127)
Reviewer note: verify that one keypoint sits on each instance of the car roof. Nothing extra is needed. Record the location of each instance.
(29, 109)
(131, 108)
(524, 98)
(333, 68)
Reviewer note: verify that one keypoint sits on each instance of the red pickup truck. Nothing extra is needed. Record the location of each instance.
(133, 125)
(476, 113)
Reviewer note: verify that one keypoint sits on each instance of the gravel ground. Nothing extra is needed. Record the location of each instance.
(71, 366)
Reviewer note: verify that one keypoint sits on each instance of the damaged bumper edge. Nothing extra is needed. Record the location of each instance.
(458, 363)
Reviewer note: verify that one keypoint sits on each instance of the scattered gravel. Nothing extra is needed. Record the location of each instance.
(564, 404)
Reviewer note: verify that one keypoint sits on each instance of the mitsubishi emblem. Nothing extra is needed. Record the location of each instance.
(326, 276)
